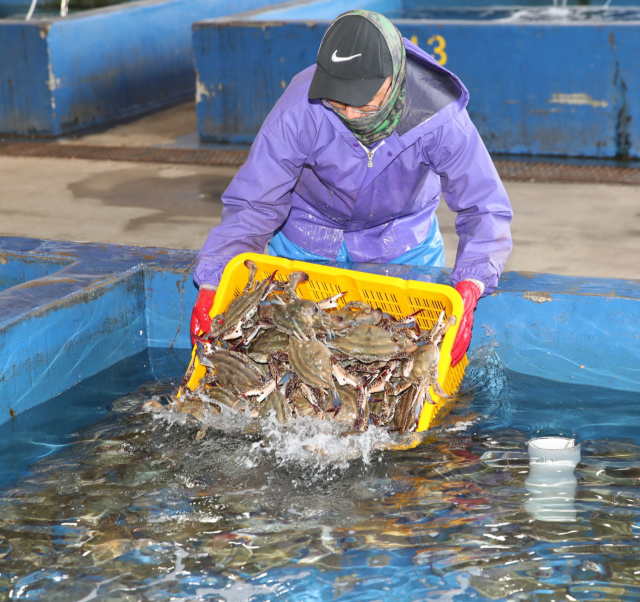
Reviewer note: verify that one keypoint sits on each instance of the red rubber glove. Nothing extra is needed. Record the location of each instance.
(200, 320)
(470, 293)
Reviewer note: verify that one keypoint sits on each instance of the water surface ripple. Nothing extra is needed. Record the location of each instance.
(136, 509)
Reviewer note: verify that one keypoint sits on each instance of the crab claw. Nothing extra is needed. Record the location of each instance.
(451, 321)
(253, 269)
(331, 302)
(202, 358)
(261, 393)
(344, 378)
(295, 278)
(439, 391)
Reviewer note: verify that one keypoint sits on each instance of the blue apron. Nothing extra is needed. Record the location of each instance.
(430, 252)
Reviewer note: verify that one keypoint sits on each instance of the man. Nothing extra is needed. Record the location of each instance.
(350, 164)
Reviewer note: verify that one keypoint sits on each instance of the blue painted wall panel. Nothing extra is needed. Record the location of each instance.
(25, 98)
(569, 338)
(108, 303)
(169, 298)
(46, 354)
(535, 89)
(100, 65)
(17, 269)
(243, 70)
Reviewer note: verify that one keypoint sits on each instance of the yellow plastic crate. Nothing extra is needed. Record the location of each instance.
(393, 295)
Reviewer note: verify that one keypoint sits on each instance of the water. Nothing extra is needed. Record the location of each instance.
(522, 14)
(132, 507)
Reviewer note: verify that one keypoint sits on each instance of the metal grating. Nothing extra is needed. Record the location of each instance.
(230, 158)
(520, 171)
(561, 172)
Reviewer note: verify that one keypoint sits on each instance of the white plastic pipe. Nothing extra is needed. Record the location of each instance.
(31, 9)
(551, 484)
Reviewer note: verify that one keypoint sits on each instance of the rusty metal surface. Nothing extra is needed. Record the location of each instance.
(537, 171)
(562, 172)
(232, 158)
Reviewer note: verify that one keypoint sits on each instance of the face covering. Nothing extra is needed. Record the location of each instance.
(372, 128)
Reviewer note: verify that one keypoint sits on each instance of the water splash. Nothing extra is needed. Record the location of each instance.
(138, 508)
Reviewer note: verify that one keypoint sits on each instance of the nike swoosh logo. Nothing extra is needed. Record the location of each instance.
(339, 59)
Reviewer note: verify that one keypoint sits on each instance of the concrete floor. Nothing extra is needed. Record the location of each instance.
(571, 229)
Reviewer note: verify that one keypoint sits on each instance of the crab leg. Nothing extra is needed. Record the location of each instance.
(308, 394)
(408, 366)
(253, 269)
(363, 396)
(299, 332)
(438, 390)
(234, 334)
(410, 318)
(398, 388)
(378, 381)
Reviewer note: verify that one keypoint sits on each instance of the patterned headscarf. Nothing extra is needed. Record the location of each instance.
(372, 128)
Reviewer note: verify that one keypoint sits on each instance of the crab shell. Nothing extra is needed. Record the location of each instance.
(236, 370)
(302, 405)
(240, 310)
(403, 414)
(348, 404)
(277, 402)
(196, 408)
(311, 360)
(369, 343)
(424, 361)
(220, 395)
(296, 317)
(267, 342)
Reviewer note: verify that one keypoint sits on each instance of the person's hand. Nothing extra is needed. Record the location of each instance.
(470, 293)
(200, 320)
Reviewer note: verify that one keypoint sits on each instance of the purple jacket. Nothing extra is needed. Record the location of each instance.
(307, 174)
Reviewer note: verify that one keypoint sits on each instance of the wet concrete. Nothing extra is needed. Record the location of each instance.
(104, 201)
(170, 192)
(570, 229)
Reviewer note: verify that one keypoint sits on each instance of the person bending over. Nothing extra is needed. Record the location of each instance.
(350, 164)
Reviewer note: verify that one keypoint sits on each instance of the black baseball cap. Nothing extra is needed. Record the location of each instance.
(353, 62)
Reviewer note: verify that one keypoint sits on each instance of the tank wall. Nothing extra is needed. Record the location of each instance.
(25, 99)
(110, 302)
(232, 101)
(65, 75)
(18, 269)
(328, 9)
(535, 89)
(104, 303)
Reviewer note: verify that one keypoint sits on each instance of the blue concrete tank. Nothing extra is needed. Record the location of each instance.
(62, 75)
(542, 81)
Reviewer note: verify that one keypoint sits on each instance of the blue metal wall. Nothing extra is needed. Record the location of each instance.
(62, 75)
(535, 88)
(98, 304)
